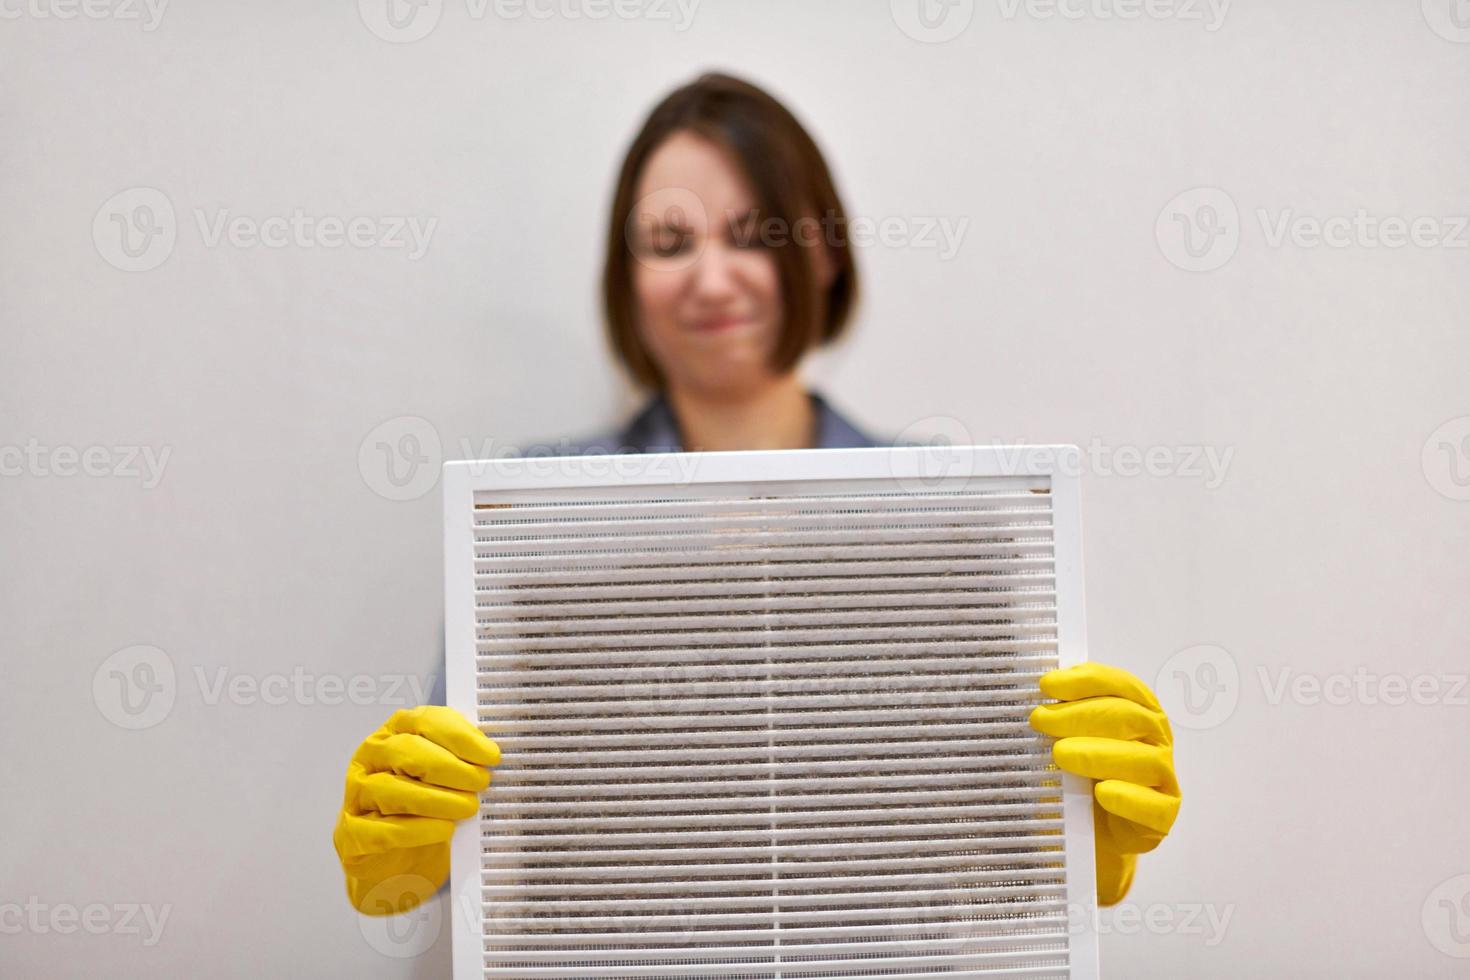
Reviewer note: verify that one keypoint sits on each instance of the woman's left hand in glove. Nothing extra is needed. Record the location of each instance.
(1110, 728)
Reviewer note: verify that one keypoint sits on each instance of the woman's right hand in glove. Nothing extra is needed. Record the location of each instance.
(407, 784)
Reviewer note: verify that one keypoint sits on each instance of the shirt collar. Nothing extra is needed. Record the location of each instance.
(654, 430)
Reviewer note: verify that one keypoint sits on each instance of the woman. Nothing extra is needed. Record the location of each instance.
(726, 262)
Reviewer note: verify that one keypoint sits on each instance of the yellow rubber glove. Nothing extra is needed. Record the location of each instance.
(1110, 727)
(406, 785)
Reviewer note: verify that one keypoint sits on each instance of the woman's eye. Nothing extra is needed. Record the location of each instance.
(670, 244)
(666, 242)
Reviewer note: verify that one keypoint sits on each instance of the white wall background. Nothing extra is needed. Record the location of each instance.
(1328, 838)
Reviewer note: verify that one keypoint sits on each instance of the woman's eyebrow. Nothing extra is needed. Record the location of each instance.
(673, 219)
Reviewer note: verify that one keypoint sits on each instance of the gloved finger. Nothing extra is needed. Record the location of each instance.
(1142, 805)
(1111, 758)
(416, 756)
(1101, 717)
(1117, 837)
(446, 727)
(1092, 680)
(372, 833)
(389, 793)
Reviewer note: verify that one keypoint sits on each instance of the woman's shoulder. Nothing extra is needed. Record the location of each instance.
(651, 430)
(835, 431)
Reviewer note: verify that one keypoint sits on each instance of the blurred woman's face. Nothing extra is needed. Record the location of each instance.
(708, 292)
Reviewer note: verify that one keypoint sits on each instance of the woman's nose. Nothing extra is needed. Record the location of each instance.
(715, 272)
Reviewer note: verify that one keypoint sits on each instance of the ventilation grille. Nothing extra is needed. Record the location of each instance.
(752, 736)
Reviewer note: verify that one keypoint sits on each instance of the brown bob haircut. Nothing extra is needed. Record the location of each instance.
(789, 180)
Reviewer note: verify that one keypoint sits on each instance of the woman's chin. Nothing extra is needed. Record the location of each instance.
(732, 380)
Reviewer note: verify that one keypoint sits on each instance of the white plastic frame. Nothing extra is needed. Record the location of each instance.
(915, 468)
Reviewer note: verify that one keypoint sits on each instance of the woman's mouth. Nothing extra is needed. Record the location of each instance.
(716, 324)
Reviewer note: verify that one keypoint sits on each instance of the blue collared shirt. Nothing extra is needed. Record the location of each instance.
(654, 430)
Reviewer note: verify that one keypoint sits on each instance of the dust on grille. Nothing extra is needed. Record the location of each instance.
(769, 736)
